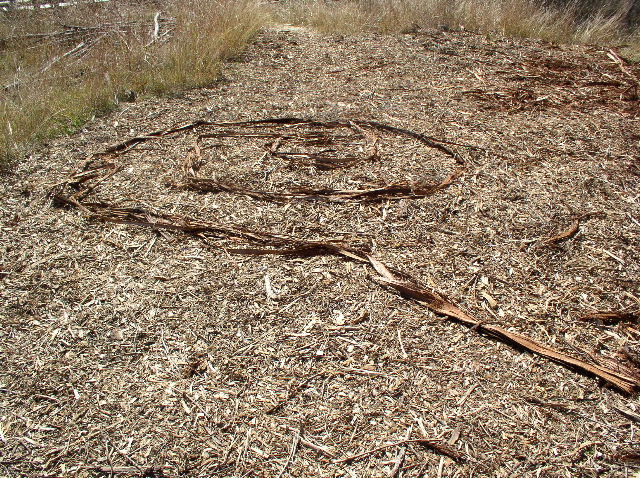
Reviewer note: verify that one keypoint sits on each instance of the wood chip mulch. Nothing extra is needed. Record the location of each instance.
(367, 255)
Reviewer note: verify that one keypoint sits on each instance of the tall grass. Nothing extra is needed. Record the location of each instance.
(558, 20)
(59, 68)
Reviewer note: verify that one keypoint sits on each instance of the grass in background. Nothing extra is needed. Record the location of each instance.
(60, 67)
(568, 21)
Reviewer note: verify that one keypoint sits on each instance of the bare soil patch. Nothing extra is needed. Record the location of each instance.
(502, 174)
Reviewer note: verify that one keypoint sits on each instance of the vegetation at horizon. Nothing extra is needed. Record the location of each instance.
(61, 67)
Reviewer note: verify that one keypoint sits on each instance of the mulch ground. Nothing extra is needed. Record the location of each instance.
(176, 306)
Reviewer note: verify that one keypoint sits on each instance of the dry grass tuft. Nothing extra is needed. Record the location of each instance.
(59, 68)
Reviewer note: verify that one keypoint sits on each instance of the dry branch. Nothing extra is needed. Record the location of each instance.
(264, 242)
(372, 125)
(279, 243)
(613, 317)
(631, 78)
(392, 191)
(399, 461)
(628, 457)
(564, 234)
(316, 448)
(629, 414)
(570, 231)
(433, 444)
(439, 304)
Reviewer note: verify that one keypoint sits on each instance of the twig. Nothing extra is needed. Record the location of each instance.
(434, 445)
(292, 394)
(78, 47)
(629, 414)
(317, 448)
(292, 453)
(426, 140)
(570, 231)
(108, 456)
(156, 30)
(156, 25)
(400, 458)
(405, 355)
(620, 62)
(126, 457)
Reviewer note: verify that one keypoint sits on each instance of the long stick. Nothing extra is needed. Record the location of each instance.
(439, 447)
